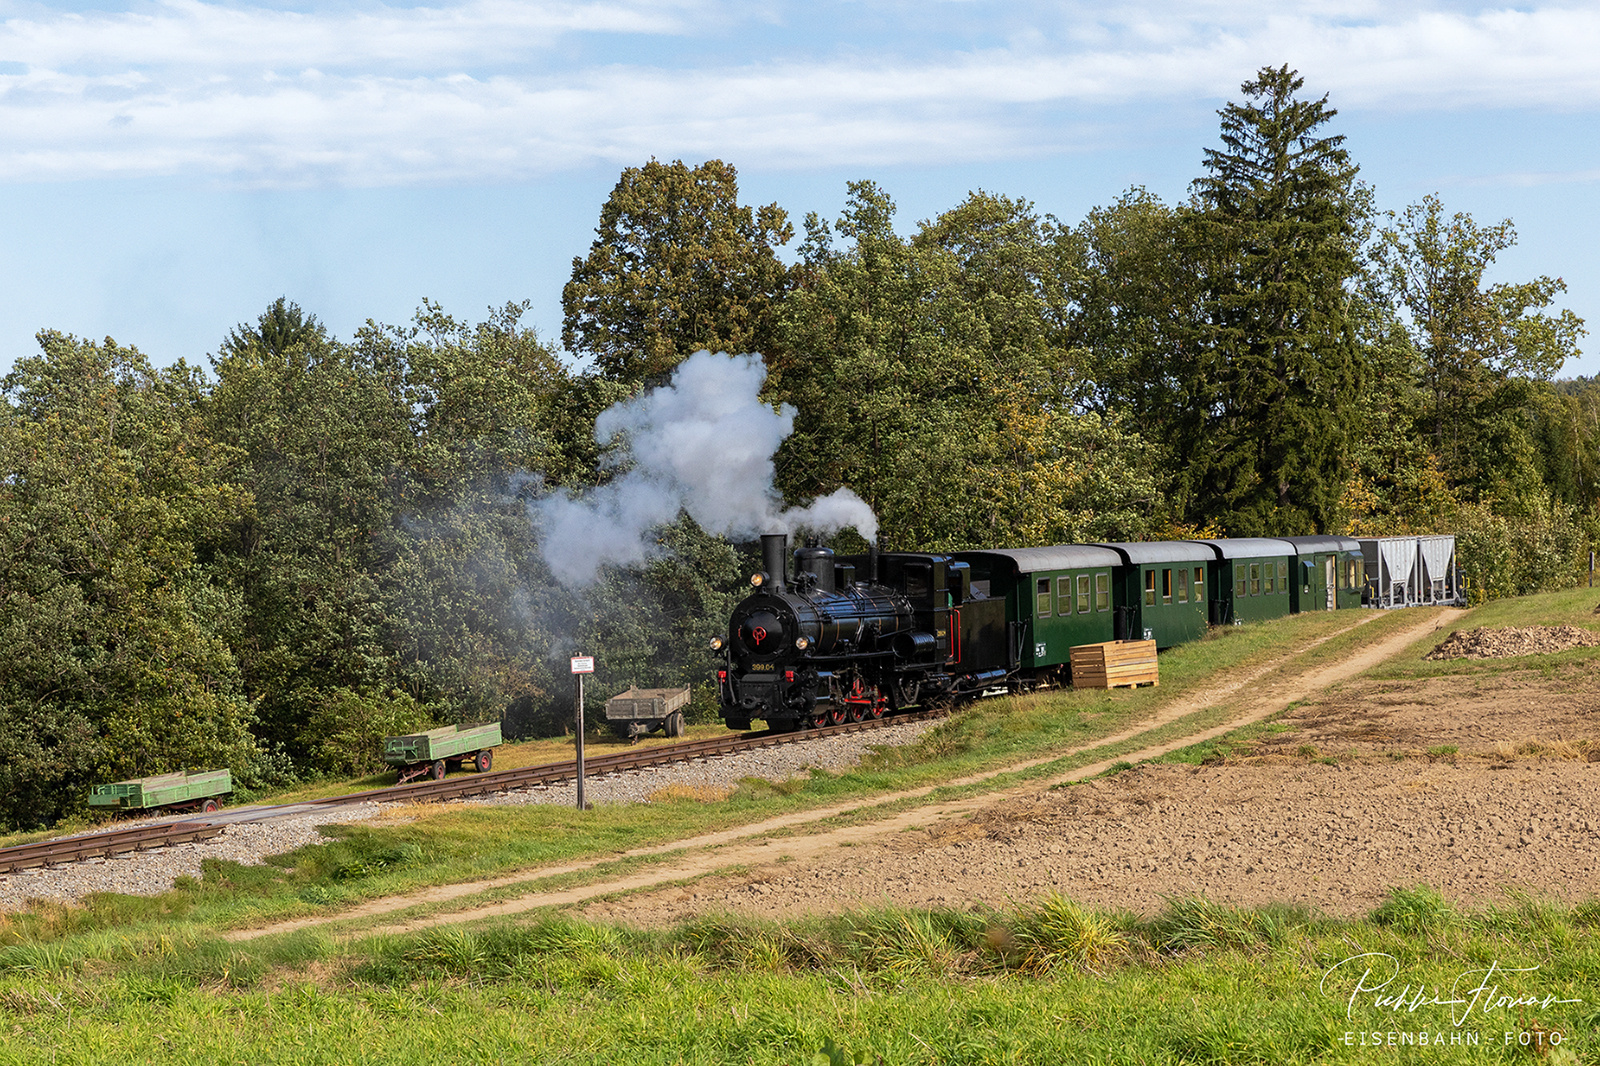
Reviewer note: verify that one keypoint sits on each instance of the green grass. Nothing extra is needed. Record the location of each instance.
(1046, 982)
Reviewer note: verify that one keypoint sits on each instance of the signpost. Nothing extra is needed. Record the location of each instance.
(581, 664)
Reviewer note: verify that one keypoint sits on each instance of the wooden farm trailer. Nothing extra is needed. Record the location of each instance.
(644, 710)
(438, 750)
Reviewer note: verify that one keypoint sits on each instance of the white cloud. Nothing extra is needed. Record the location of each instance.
(491, 89)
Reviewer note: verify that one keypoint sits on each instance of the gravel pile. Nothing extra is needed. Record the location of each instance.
(1484, 643)
(147, 873)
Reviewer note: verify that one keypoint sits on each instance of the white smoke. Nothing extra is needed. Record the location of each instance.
(703, 444)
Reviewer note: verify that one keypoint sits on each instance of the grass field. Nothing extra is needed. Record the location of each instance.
(1046, 983)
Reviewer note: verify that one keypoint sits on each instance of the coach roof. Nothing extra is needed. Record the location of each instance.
(1058, 557)
(1162, 551)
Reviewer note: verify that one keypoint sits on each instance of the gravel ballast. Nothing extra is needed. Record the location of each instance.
(147, 873)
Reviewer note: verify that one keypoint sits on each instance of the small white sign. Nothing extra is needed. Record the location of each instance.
(583, 664)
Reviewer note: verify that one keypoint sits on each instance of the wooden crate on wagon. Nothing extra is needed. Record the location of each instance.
(1115, 664)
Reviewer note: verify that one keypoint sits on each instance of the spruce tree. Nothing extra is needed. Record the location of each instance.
(1277, 226)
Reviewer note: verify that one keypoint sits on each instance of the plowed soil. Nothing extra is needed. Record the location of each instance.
(1479, 786)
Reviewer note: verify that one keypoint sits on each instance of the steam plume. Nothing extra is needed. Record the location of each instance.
(703, 444)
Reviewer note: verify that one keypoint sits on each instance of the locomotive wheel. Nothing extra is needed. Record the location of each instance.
(437, 773)
(838, 715)
(484, 761)
(857, 712)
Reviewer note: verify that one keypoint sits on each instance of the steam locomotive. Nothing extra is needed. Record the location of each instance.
(848, 638)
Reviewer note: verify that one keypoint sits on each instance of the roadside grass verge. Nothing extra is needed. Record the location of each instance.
(1048, 981)
(452, 844)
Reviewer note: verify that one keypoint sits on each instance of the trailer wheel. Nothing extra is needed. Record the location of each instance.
(438, 770)
(208, 806)
(485, 760)
(675, 724)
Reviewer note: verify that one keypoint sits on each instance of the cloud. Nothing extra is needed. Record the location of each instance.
(497, 90)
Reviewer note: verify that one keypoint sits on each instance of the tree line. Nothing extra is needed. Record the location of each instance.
(321, 541)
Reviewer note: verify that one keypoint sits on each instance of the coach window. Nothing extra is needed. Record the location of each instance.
(1183, 586)
(1241, 584)
(1283, 578)
(1149, 588)
(1255, 579)
(1063, 596)
(1272, 586)
(1199, 583)
(1166, 586)
(1083, 593)
(1102, 592)
(1044, 598)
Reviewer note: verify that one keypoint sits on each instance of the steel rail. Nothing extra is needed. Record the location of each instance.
(101, 845)
(547, 774)
(138, 838)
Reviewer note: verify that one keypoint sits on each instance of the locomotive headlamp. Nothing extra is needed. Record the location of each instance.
(758, 579)
(716, 643)
(802, 643)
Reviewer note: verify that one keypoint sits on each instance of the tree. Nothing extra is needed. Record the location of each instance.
(926, 378)
(678, 265)
(1478, 346)
(1279, 228)
(323, 435)
(114, 618)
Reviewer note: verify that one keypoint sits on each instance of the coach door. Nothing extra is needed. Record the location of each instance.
(1331, 572)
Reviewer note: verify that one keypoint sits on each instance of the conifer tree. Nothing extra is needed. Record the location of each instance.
(1278, 229)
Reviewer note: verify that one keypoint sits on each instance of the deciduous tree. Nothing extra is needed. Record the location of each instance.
(678, 264)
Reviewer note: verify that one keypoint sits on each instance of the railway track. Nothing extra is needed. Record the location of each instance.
(138, 838)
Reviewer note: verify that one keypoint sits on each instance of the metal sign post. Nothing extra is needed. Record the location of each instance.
(581, 664)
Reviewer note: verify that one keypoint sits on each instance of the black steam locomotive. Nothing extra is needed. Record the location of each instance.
(855, 637)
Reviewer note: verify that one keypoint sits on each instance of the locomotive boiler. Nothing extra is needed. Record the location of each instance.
(847, 638)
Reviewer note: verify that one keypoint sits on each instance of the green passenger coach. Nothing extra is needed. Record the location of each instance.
(1251, 578)
(1161, 590)
(1329, 573)
(1056, 598)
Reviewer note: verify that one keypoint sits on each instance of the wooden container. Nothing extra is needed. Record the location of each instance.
(1115, 664)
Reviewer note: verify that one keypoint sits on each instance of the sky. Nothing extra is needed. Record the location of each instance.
(169, 168)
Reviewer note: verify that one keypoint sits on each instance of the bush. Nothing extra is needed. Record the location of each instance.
(347, 728)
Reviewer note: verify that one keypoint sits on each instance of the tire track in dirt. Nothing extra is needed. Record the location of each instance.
(740, 846)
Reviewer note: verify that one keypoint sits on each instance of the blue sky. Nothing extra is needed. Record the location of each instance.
(169, 168)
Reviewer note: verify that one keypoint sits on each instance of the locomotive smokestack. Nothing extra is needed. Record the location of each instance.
(774, 558)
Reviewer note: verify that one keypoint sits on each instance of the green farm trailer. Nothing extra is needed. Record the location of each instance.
(448, 747)
(181, 791)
